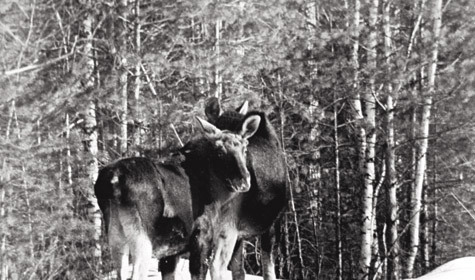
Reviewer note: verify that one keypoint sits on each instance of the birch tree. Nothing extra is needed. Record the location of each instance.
(314, 136)
(338, 242)
(90, 129)
(357, 108)
(369, 113)
(392, 220)
(427, 96)
(217, 75)
(137, 82)
(425, 254)
(123, 73)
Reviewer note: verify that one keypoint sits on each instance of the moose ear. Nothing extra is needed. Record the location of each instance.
(250, 126)
(208, 129)
(243, 108)
(213, 109)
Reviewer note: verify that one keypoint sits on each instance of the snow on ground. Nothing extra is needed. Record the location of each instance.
(458, 269)
(182, 272)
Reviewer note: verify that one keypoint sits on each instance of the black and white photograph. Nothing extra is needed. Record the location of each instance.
(237, 139)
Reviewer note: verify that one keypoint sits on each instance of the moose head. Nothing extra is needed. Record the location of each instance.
(226, 153)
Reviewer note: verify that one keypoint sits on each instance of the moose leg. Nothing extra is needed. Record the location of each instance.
(267, 245)
(138, 241)
(120, 255)
(167, 267)
(223, 253)
(142, 254)
(237, 264)
(118, 244)
(200, 248)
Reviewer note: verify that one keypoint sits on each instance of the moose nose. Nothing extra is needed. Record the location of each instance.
(241, 185)
(245, 184)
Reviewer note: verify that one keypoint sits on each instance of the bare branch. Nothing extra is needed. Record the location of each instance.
(176, 135)
(38, 66)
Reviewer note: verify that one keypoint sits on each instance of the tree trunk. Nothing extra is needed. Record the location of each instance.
(138, 114)
(28, 212)
(90, 141)
(218, 79)
(425, 229)
(122, 84)
(392, 220)
(286, 261)
(4, 178)
(315, 181)
(369, 167)
(435, 209)
(301, 267)
(416, 193)
(12, 119)
(59, 190)
(377, 248)
(434, 228)
(93, 171)
(339, 267)
(316, 114)
(69, 170)
(356, 98)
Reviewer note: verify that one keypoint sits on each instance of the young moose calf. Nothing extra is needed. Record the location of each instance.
(150, 208)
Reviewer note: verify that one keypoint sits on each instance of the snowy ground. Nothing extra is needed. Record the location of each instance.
(182, 272)
(458, 269)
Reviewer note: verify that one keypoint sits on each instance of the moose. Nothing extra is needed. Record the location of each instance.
(250, 213)
(149, 208)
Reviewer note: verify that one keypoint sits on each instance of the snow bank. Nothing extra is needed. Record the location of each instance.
(458, 269)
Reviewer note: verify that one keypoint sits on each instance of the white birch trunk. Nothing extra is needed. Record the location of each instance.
(91, 147)
(425, 229)
(356, 98)
(416, 193)
(369, 158)
(123, 74)
(69, 169)
(137, 82)
(339, 268)
(93, 171)
(314, 167)
(392, 219)
(218, 78)
(434, 228)
(315, 175)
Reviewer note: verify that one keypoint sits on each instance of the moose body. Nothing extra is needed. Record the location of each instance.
(150, 208)
(249, 213)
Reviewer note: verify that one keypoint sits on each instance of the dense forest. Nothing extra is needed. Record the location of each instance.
(373, 101)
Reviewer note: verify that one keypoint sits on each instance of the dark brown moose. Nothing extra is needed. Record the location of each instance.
(222, 227)
(149, 208)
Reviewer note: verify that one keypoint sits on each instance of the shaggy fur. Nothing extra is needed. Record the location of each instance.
(150, 207)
